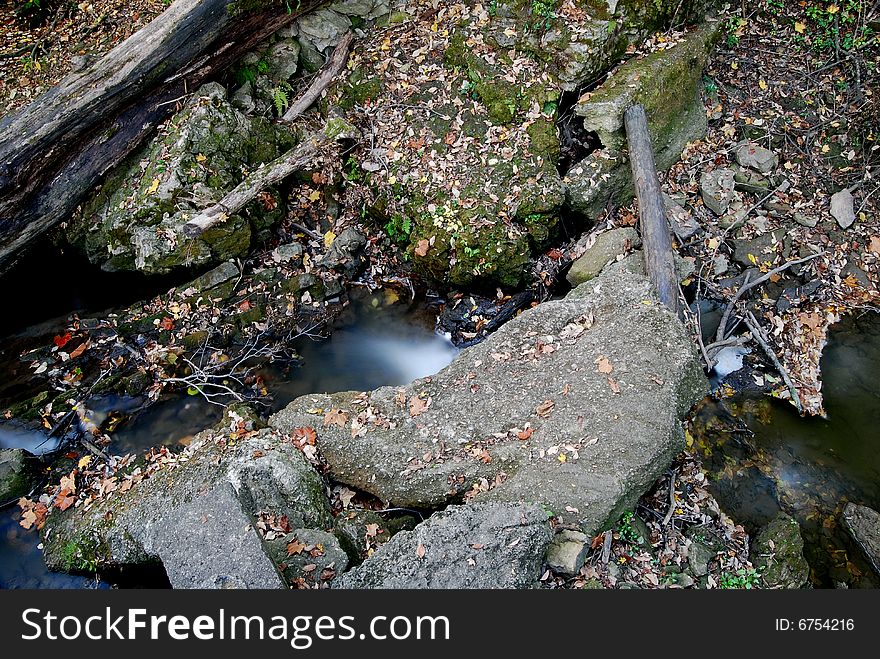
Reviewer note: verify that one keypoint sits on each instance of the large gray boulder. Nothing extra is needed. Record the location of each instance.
(863, 524)
(484, 545)
(196, 515)
(576, 404)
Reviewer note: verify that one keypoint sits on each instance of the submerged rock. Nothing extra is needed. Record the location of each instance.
(482, 545)
(135, 222)
(576, 404)
(863, 524)
(778, 553)
(196, 515)
(18, 473)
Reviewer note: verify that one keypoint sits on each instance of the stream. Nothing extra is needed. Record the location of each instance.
(373, 344)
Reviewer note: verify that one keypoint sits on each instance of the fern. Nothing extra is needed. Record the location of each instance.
(279, 96)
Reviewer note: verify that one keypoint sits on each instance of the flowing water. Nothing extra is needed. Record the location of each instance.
(374, 345)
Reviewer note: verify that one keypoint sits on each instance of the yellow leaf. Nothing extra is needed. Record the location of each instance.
(688, 438)
(84, 461)
(762, 84)
(734, 65)
(562, 457)
(799, 27)
(753, 259)
(833, 9)
(153, 186)
(315, 196)
(392, 180)
(201, 157)
(329, 237)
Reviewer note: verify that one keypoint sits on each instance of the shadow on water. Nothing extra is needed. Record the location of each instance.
(766, 457)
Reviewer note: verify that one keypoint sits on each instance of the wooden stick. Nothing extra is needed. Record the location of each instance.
(305, 154)
(332, 68)
(720, 335)
(659, 262)
(671, 509)
(755, 328)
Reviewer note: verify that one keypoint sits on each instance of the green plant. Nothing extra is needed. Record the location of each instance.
(839, 27)
(743, 579)
(249, 72)
(279, 98)
(352, 170)
(399, 228)
(731, 27)
(626, 529)
(543, 13)
(33, 12)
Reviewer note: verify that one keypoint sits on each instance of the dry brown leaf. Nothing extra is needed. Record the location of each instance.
(545, 408)
(417, 405)
(295, 547)
(420, 550)
(604, 366)
(422, 247)
(336, 417)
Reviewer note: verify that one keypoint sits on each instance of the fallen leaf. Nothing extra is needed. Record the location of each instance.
(545, 408)
(613, 384)
(604, 366)
(417, 405)
(62, 340)
(422, 247)
(166, 323)
(525, 434)
(80, 349)
(84, 462)
(420, 550)
(336, 417)
(329, 237)
(295, 547)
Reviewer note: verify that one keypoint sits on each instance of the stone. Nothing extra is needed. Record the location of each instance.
(310, 59)
(354, 527)
(19, 472)
(863, 525)
(704, 546)
(480, 545)
(346, 254)
(753, 252)
(750, 181)
(136, 220)
(748, 154)
(567, 552)
(315, 557)
(323, 28)
(806, 221)
(778, 554)
(681, 221)
(196, 518)
(224, 273)
(842, 208)
(608, 246)
(592, 450)
(717, 190)
(287, 253)
(674, 119)
(283, 59)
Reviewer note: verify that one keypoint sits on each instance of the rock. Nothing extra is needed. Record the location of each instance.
(323, 28)
(225, 273)
(674, 118)
(567, 552)
(135, 222)
(290, 252)
(592, 449)
(682, 222)
(366, 9)
(481, 545)
(704, 546)
(778, 554)
(750, 181)
(243, 98)
(863, 525)
(283, 59)
(310, 59)
(358, 529)
(196, 517)
(756, 251)
(346, 254)
(720, 265)
(748, 154)
(851, 269)
(18, 473)
(717, 190)
(308, 557)
(608, 246)
(842, 208)
(805, 221)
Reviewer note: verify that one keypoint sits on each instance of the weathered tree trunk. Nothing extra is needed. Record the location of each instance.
(659, 262)
(54, 151)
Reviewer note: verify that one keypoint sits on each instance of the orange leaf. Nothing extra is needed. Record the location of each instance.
(422, 247)
(525, 434)
(61, 341)
(80, 349)
(295, 547)
(166, 323)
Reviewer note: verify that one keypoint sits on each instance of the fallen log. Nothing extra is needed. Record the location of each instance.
(659, 262)
(55, 150)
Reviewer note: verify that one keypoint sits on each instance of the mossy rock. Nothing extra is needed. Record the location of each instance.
(778, 554)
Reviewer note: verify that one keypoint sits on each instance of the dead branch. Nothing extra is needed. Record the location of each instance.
(333, 67)
(722, 328)
(758, 334)
(306, 154)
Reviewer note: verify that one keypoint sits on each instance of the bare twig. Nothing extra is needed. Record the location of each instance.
(671, 510)
(758, 334)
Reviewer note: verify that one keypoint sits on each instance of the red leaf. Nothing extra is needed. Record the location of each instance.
(166, 323)
(61, 341)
